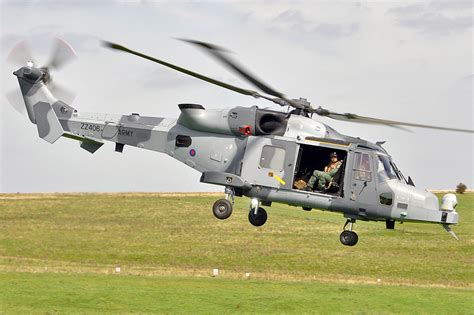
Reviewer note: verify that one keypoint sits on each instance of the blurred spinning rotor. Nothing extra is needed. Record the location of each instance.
(22, 55)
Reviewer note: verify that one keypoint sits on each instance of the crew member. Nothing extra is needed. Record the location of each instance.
(324, 177)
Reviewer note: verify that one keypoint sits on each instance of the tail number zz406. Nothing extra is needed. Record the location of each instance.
(98, 128)
(92, 127)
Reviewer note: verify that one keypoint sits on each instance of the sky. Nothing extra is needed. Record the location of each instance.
(399, 60)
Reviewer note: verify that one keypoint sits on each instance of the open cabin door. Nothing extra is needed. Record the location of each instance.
(269, 162)
(315, 156)
(363, 188)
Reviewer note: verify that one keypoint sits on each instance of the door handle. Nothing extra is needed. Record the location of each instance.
(365, 185)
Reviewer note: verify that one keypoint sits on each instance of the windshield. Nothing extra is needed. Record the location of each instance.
(400, 174)
(385, 170)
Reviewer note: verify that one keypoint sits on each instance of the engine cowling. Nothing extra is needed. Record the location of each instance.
(239, 121)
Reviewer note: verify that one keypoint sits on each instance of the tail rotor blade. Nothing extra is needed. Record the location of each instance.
(21, 54)
(62, 54)
(61, 93)
(15, 99)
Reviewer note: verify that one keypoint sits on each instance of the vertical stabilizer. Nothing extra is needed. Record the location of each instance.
(38, 101)
(49, 127)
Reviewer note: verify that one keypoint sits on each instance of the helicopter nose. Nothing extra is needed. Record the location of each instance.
(423, 199)
(421, 205)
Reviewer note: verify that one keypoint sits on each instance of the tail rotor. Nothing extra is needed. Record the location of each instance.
(61, 55)
(21, 54)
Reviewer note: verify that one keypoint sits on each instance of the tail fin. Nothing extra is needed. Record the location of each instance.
(38, 101)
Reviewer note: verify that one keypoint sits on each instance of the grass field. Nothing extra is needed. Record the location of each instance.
(58, 253)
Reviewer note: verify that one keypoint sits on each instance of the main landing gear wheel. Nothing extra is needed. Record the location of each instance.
(222, 209)
(259, 218)
(348, 237)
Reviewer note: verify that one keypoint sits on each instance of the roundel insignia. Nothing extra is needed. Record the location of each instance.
(192, 152)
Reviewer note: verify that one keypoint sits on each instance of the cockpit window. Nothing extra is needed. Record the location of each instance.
(385, 170)
(362, 167)
(399, 173)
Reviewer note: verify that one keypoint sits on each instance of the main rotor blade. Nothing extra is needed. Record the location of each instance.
(370, 120)
(232, 64)
(185, 71)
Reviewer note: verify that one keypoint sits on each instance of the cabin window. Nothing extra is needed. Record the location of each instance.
(272, 158)
(362, 169)
(385, 171)
(386, 198)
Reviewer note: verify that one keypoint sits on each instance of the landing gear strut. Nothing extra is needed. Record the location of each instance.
(348, 237)
(257, 215)
(222, 208)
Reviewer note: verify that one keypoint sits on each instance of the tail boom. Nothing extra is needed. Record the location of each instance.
(149, 133)
(55, 118)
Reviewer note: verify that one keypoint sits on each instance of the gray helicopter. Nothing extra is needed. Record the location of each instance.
(267, 155)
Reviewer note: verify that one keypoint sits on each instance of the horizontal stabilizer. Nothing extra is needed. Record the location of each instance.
(87, 144)
(91, 147)
(49, 127)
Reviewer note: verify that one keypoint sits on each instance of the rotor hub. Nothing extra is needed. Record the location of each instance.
(46, 75)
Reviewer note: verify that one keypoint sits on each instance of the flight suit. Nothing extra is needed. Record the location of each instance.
(323, 178)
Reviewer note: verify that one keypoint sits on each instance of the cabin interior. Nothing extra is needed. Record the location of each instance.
(311, 158)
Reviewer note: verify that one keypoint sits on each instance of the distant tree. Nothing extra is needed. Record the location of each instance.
(461, 188)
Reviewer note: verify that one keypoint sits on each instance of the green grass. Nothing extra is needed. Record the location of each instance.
(58, 253)
(89, 293)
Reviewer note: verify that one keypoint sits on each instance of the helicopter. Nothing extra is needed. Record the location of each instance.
(267, 155)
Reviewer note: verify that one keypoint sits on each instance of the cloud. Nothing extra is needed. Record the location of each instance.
(166, 79)
(437, 17)
(469, 77)
(452, 5)
(8, 41)
(58, 3)
(294, 22)
(336, 31)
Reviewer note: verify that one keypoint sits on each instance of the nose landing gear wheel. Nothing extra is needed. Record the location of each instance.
(258, 219)
(222, 209)
(349, 238)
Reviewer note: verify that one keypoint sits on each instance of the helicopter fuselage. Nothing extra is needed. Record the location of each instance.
(259, 153)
